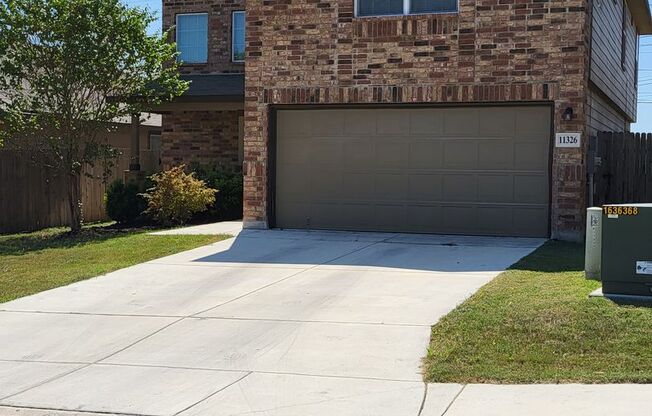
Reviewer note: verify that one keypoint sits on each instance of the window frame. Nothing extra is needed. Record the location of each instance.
(623, 45)
(406, 10)
(176, 36)
(233, 14)
(149, 138)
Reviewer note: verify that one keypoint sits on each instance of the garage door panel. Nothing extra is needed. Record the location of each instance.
(424, 218)
(326, 184)
(360, 186)
(360, 123)
(294, 214)
(460, 188)
(293, 187)
(496, 188)
(425, 122)
(393, 122)
(289, 126)
(461, 122)
(389, 217)
(459, 219)
(497, 122)
(325, 151)
(426, 154)
(293, 151)
(460, 154)
(324, 215)
(425, 187)
(435, 170)
(496, 154)
(359, 153)
(322, 123)
(494, 219)
(356, 216)
(391, 154)
(391, 186)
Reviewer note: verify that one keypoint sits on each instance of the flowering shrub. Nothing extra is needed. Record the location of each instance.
(176, 196)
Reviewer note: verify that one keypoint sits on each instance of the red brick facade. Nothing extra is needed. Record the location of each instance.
(317, 52)
(219, 32)
(204, 137)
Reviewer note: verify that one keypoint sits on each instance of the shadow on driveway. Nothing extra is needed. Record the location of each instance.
(433, 253)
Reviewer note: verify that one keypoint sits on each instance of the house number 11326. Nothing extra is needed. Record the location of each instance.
(568, 140)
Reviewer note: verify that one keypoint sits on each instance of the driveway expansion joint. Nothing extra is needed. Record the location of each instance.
(213, 394)
(423, 400)
(84, 412)
(454, 400)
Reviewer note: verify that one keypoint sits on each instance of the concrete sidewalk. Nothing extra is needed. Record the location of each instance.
(262, 395)
(225, 227)
(278, 323)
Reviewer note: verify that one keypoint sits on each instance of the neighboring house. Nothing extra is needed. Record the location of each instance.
(149, 141)
(405, 115)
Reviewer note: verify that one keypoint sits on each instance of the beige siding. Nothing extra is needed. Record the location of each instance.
(607, 72)
(603, 116)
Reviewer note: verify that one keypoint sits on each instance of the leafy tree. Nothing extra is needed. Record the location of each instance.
(67, 68)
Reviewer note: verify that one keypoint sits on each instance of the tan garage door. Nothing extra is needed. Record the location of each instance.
(463, 170)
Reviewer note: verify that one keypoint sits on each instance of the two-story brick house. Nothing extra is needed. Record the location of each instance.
(407, 115)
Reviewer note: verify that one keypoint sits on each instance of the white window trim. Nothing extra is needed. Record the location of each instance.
(237, 61)
(176, 36)
(406, 11)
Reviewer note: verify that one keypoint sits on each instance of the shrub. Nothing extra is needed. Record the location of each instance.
(124, 204)
(176, 196)
(228, 183)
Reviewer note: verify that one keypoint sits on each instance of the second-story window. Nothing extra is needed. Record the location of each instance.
(238, 37)
(401, 7)
(192, 38)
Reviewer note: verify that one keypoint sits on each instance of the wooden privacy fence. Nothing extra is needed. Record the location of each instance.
(32, 197)
(620, 168)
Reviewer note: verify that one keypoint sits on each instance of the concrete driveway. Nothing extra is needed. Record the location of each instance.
(277, 323)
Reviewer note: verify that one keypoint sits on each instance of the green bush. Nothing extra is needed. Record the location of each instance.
(124, 204)
(228, 183)
(176, 196)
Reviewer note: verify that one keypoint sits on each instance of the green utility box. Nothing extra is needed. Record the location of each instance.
(627, 249)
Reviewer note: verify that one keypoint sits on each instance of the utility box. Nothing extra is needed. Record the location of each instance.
(627, 249)
(593, 253)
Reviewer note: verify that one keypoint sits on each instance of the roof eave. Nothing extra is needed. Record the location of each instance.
(642, 16)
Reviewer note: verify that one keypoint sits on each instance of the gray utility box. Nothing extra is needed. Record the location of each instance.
(627, 249)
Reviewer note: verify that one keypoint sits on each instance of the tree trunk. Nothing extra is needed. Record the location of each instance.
(74, 202)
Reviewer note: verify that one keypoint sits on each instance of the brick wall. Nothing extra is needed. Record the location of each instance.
(219, 31)
(205, 137)
(316, 52)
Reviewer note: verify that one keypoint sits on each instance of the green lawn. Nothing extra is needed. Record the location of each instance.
(536, 324)
(33, 262)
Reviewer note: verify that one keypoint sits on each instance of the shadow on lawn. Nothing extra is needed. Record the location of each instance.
(554, 257)
(20, 244)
